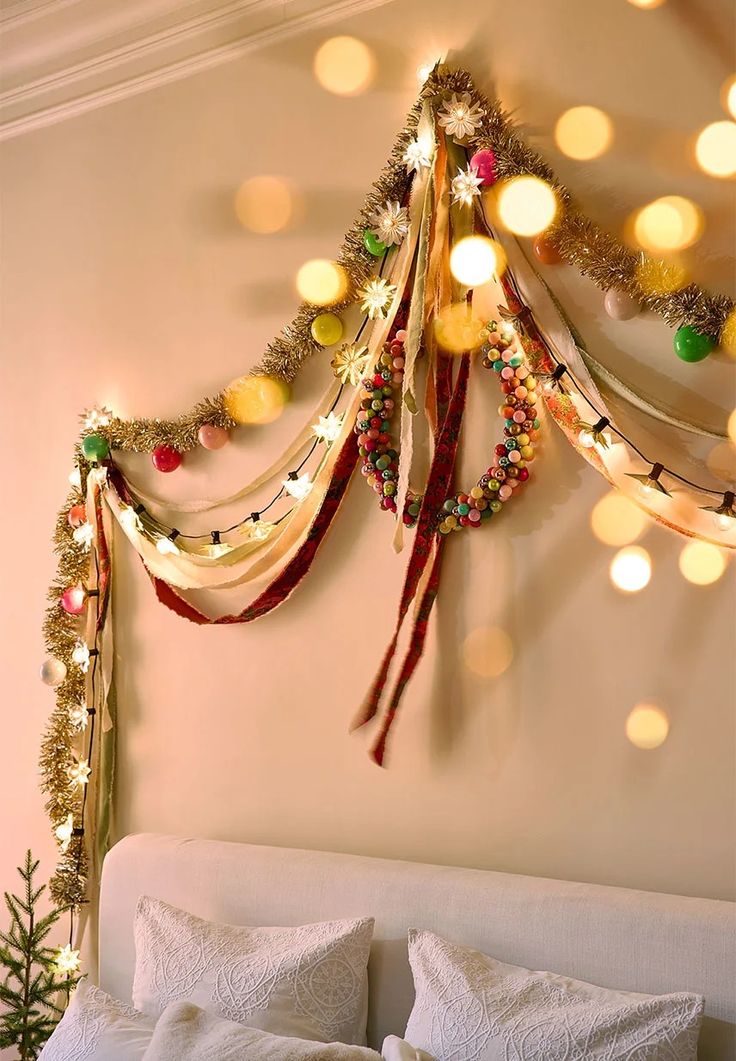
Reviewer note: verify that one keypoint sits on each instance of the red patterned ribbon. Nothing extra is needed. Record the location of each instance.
(283, 585)
(425, 542)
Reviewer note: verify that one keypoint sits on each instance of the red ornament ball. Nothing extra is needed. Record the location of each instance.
(166, 458)
(76, 516)
(545, 251)
(212, 437)
(484, 164)
(73, 600)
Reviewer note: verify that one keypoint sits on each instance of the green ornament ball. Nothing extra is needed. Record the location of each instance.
(373, 244)
(691, 345)
(327, 329)
(95, 448)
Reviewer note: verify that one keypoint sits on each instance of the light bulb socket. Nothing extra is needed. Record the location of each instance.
(77, 831)
(173, 534)
(293, 475)
(92, 592)
(215, 535)
(601, 425)
(255, 516)
(139, 509)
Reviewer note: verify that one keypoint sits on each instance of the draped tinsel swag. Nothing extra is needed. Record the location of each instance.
(404, 373)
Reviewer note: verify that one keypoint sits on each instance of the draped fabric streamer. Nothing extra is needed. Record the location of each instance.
(269, 559)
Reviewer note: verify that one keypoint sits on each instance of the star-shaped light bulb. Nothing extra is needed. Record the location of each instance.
(79, 772)
(349, 363)
(167, 546)
(258, 530)
(376, 296)
(67, 960)
(328, 428)
(417, 156)
(298, 487)
(84, 535)
(130, 520)
(466, 186)
(97, 417)
(64, 832)
(79, 716)
(80, 655)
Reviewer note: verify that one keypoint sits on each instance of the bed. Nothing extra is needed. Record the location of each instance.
(615, 937)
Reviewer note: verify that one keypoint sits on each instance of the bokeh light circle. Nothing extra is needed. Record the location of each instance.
(321, 282)
(488, 651)
(715, 149)
(631, 569)
(670, 223)
(701, 563)
(264, 204)
(647, 726)
(617, 520)
(584, 132)
(345, 66)
(475, 260)
(527, 205)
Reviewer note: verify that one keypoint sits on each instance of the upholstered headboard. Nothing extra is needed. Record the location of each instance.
(638, 941)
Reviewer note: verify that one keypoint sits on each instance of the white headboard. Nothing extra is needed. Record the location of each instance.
(638, 941)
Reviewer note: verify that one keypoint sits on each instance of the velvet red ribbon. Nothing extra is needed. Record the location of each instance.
(425, 544)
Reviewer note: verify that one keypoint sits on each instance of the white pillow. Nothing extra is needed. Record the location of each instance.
(185, 1032)
(97, 1027)
(470, 1007)
(309, 982)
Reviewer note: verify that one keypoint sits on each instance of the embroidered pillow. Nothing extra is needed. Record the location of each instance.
(470, 1007)
(185, 1032)
(309, 982)
(96, 1027)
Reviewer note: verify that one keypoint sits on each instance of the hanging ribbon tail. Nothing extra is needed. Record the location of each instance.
(438, 482)
(282, 586)
(413, 655)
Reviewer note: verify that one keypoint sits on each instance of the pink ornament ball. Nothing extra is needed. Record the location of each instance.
(73, 600)
(504, 492)
(484, 164)
(76, 516)
(166, 458)
(212, 437)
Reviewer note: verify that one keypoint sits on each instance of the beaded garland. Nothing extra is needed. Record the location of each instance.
(512, 456)
(373, 427)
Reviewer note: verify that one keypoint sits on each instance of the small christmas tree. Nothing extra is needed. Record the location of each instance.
(33, 985)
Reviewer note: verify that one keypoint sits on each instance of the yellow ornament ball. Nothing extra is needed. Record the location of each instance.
(327, 329)
(256, 399)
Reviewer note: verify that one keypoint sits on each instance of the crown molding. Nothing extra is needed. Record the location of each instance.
(63, 58)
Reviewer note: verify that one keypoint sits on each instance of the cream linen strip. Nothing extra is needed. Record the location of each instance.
(185, 571)
(421, 210)
(283, 462)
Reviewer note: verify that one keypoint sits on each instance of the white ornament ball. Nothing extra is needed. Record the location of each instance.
(620, 306)
(53, 672)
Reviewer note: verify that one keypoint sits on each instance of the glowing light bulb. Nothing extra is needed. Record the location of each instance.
(79, 773)
(64, 831)
(79, 716)
(167, 547)
(647, 726)
(527, 205)
(299, 487)
(81, 655)
(475, 260)
(98, 417)
(345, 66)
(715, 149)
(84, 535)
(423, 72)
(584, 132)
(586, 439)
(328, 428)
(631, 569)
(701, 563)
(616, 520)
(130, 520)
(67, 960)
(321, 282)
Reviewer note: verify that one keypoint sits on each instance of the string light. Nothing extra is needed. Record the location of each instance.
(552, 381)
(101, 416)
(217, 547)
(167, 545)
(84, 535)
(466, 186)
(130, 518)
(79, 773)
(417, 156)
(647, 727)
(67, 960)
(259, 530)
(376, 296)
(81, 655)
(298, 486)
(593, 436)
(723, 514)
(631, 569)
(79, 716)
(64, 831)
(649, 483)
(328, 428)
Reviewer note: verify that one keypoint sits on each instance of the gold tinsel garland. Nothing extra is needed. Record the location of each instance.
(67, 886)
(581, 243)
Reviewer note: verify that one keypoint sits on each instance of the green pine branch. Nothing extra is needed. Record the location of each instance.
(33, 993)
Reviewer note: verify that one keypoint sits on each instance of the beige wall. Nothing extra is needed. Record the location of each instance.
(127, 280)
